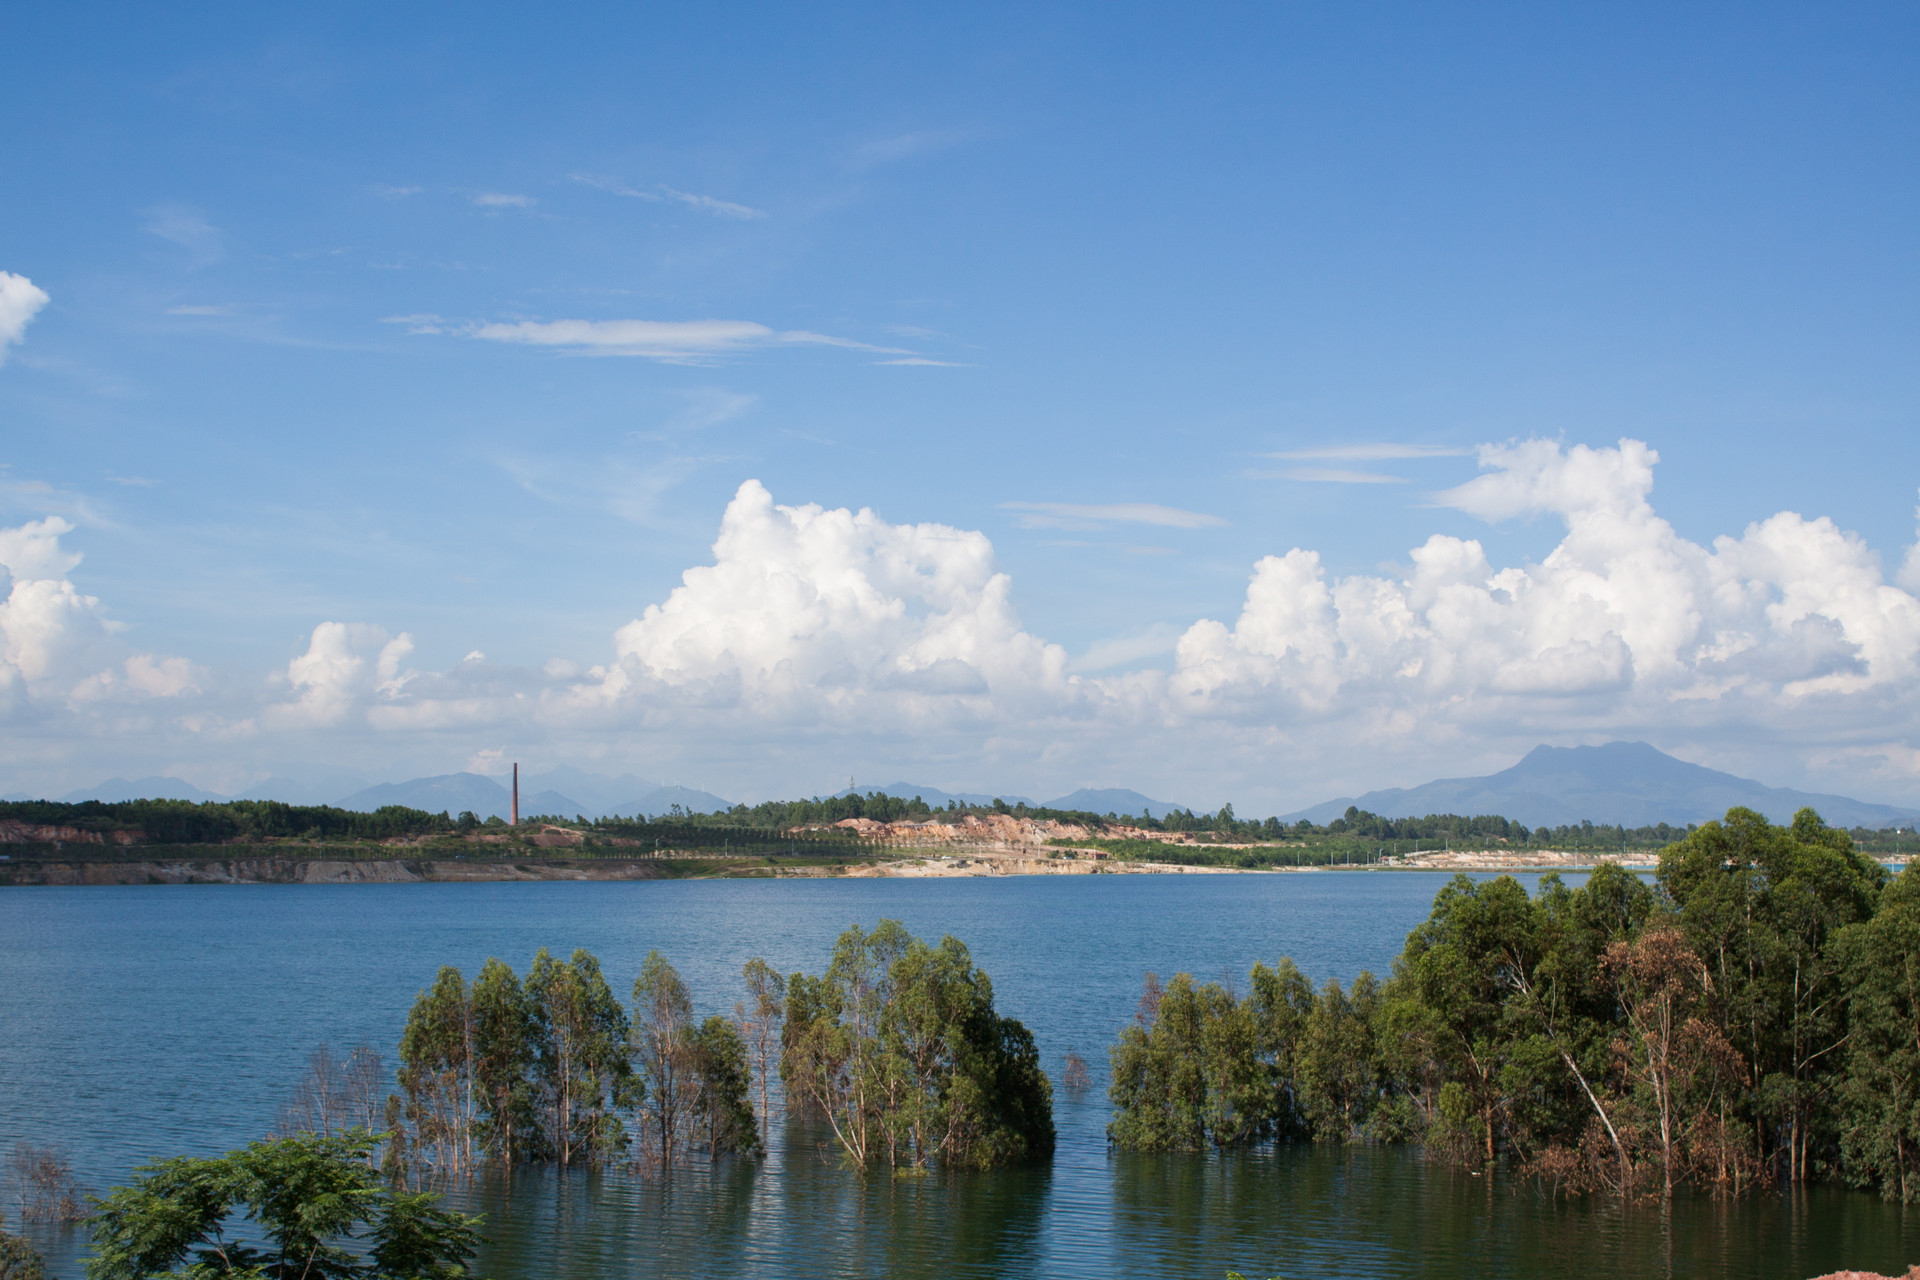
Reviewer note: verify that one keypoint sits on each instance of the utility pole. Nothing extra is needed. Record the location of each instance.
(516, 795)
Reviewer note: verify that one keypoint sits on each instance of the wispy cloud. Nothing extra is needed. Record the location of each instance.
(928, 361)
(1328, 475)
(419, 323)
(905, 146)
(503, 200)
(668, 341)
(132, 482)
(627, 489)
(200, 309)
(808, 337)
(395, 193)
(39, 496)
(1077, 515)
(1381, 452)
(1120, 651)
(661, 193)
(704, 407)
(189, 229)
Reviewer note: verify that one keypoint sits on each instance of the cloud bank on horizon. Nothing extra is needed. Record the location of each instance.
(820, 639)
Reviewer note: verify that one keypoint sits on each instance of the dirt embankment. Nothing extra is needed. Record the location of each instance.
(972, 863)
(1000, 832)
(13, 831)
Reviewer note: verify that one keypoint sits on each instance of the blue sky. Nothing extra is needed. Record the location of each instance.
(407, 321)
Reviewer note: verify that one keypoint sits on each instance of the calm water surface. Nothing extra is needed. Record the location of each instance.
(151, 1021)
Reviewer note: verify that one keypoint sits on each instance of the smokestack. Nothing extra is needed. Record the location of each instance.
(516, 793)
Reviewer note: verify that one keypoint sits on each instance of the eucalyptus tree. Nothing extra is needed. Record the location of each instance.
(831, 1050)
(1337, 1070)
(723, 1118)
(898, 1046)
(581, 1064)
(1203, 1067)
(662, 1048)
(1880, 1130)
(1762, 905)
(504, 1053)
(760, 1020)
(1282, 1000)
(1661, 983)
(1162, 1079)
(436, 1072)
(1477, 947)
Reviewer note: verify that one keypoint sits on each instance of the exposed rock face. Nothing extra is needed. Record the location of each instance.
(1911, 1273)
(13, 831)
(993, 830)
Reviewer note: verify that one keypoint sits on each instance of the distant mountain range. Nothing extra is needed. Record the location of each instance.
(156, 788)
(487, 797)
(566, 792)
(935, 796)
(1114, 800)
(1623, 782)
(1629, 783)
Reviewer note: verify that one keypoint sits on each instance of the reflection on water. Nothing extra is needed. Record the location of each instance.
(1387, 1212)
(1300, 1212)
(142, 1022)
(799, 1213)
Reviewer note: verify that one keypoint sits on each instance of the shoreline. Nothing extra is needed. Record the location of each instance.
(58, 871)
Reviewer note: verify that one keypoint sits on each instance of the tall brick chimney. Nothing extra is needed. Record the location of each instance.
(516, 793)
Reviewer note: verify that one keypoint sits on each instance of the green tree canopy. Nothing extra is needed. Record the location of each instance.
(317, 1208)
(899, 1046)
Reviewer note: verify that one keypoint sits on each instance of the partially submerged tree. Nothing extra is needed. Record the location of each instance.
(1880, 1131)
(44, 1188)
(504, 1052)
(336, 1095)
(899, 1047)
(582, 1064)
(318, 1211)
(1755, 1016)
(436, 1072)
(723, 1119)
(663, 1054)
(760, 1019)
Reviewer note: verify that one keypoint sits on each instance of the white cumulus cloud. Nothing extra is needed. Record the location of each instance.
(809, 611)
(346, 667)
(818, 639)
(1624, 623)
(20, 302)
(58, 644)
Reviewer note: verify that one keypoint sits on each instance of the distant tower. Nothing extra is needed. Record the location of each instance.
(516, 793)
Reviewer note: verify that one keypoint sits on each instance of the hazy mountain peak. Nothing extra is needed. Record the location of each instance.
(1633, 783)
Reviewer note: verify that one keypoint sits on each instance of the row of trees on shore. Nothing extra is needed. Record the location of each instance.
(775, 826)
(1752, 1018)
(226, 821)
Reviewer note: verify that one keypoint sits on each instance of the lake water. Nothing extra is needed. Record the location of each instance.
(151, 1021)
